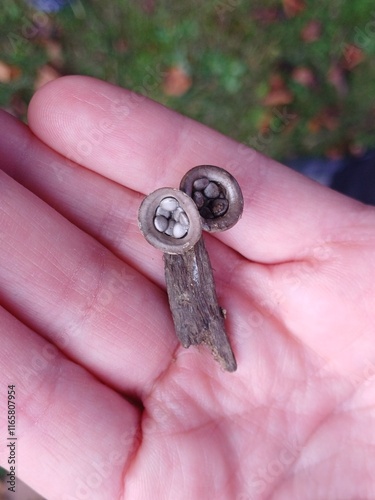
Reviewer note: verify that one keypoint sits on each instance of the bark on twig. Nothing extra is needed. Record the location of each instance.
(192, 297)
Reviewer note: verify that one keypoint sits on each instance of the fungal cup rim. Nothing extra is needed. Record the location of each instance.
(232, 191)
(169, 244)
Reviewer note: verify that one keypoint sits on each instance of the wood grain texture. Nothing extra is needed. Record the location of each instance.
(196, 313)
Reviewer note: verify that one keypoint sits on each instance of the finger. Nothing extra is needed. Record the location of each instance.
(99, 206)
(55, 402)
(142, 145)
(102, 208)
(64, 284)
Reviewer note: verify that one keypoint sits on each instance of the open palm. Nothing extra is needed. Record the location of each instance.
(109, 406)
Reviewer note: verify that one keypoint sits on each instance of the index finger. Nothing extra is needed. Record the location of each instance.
(143, 145)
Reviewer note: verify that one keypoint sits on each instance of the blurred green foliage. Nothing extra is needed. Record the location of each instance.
(3, 474)
(230, 49)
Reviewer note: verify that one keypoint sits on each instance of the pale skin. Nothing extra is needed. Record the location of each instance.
(108, 405)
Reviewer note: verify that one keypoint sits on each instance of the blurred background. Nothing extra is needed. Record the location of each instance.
(291, 78)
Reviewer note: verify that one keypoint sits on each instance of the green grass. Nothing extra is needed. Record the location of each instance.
(229, 54)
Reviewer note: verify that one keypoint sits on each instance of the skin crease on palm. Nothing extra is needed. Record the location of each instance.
(109, 406)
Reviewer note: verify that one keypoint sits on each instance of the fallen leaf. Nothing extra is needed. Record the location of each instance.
(327, 118)
(45, 74)
(265, 121)
(278, 97)
(314, 125)
(176, 81)
(5, 72)
(293, 7)
(352, 56)
(304, 76)
(337, 78)
(267, 15)
(311, 31)
(54, 52)
(278, 94)
(16, 72)
(8, 72)
(277, 82)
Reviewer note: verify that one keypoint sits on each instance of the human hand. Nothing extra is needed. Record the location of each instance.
(108, 404)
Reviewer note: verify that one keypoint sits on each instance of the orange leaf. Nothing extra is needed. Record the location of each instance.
(278, 94)
(265, 121)
(293, 7)
(352, 56)
(267, 15)
(277, 82)
(278, 97)
(54, 52)
(304, 76)
(8, 72)
(45, 74)
(311, 31)
(337, 78)
(327, 118)
(5, 72)
(176, 82)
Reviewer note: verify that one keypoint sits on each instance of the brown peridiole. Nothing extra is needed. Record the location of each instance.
(172, 220)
